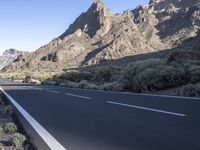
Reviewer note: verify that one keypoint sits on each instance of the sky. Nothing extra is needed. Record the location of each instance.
(30, 24)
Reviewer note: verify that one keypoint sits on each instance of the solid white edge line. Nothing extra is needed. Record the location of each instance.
(44, 134)
(68, 94)
(145, 108)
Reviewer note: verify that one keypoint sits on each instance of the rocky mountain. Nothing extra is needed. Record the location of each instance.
(8, 57)
(98, 36)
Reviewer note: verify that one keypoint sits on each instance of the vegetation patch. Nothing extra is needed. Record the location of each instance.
(27, 76)
(12, 137)
(151, 75)
(9, 128)
(107, 74)
(190, 90)
(17, 140)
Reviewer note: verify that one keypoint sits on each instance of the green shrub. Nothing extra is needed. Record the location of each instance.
(69, 84)
(2, 103)
(76, 76)
(1, 99)
(139, 66)
(49, 82)
(9, 128)
(85, 85)
(152, 75)
(159, 78)
(2, 110)
(17, 139)
(190, 90)
(183, 55)
(107, 74)
(1, 129)
(194, 72)
(29, 76)
(27, 79)
(9, 109)
(114, 86)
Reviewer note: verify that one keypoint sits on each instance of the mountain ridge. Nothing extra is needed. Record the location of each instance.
(98, 35)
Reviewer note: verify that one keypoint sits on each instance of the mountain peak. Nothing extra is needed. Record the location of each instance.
(9, 52)
(93, 22)
(98, 4)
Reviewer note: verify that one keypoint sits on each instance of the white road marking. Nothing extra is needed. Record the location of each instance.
(38, 89)
(84, 97)
(149, 109)
(45, 135)
(51, 91)
(137, 94)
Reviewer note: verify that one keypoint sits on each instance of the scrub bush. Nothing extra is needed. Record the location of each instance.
(9, 128)
(17, 139)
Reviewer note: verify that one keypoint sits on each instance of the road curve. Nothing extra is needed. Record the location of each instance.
(97, 120)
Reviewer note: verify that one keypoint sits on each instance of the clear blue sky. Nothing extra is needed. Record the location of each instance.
(29, 24)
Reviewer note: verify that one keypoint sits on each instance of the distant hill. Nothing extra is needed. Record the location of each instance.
(8, 57)
(98, 36)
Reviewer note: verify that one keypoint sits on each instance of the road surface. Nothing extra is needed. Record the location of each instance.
(97, 120)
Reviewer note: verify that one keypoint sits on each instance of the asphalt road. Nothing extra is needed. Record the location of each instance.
(97, 120)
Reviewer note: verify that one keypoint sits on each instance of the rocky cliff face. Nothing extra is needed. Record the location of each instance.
(98, 35)
(96, 22)
(8, 57)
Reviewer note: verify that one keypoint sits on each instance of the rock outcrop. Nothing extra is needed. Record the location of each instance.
(8, 57)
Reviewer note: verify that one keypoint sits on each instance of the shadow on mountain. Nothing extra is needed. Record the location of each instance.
(122, 62)
(190, 46)
(174, 23)
(94, 53)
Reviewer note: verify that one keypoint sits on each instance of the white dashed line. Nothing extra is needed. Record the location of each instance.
(149, 109)
(139, 94)
(68, 94)
(38, 89)
(56, 92)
